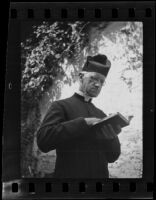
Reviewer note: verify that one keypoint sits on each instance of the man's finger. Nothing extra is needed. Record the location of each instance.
(112, 132)
(109, 132)
(105, 131)
(117, 128)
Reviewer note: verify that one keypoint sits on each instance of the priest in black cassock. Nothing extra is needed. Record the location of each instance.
(82, 150)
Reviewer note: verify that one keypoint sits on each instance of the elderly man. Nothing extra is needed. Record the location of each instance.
(83, 151)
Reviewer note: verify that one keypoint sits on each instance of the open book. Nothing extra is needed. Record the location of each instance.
(113, 119)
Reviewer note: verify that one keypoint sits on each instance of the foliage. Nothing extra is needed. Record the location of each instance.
(129, 164)
(44, 53)
(128, 48)
(42, 58)
(132, 39)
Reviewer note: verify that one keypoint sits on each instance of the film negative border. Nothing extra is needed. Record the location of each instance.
(86, 12)
(143, 11)
(78, 188)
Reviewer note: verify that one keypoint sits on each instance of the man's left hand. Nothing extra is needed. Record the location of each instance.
(117, 129)
(109, 132)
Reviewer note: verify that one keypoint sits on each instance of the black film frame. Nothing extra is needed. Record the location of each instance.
(41, 187)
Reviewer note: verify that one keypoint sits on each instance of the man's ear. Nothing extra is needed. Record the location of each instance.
(81, 75)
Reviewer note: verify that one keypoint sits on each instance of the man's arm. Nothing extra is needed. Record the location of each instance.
(114, 150)
(109, 142)
(55, 130)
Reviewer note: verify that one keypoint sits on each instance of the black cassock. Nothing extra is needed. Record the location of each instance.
(82, 152)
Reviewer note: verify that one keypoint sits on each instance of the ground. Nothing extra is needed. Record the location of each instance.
(129, 164)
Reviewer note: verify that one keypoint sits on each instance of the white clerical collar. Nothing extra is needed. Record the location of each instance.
(86, 98)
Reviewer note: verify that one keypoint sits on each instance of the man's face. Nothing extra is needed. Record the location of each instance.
(91, 83)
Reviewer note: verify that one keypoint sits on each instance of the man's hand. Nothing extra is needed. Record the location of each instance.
(117, 128)
(109, 132)
(91, 120)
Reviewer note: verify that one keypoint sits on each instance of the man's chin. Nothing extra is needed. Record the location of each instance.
(94, 94)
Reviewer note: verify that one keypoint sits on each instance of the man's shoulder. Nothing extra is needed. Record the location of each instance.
(99, 110)
(64, 101)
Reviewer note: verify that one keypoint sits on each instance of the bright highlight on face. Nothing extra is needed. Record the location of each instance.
(91, 83)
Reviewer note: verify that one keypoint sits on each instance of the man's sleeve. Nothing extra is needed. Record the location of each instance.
(111, 148)
(55, 130)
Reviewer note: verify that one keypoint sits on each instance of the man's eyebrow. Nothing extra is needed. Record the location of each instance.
(97, 77)
(91, 76)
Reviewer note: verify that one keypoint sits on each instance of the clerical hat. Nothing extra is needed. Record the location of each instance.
(98, 63)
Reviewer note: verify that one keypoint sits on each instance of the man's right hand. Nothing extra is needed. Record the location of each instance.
(91, 120)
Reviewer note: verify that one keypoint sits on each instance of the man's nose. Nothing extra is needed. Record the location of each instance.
(98, 84)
